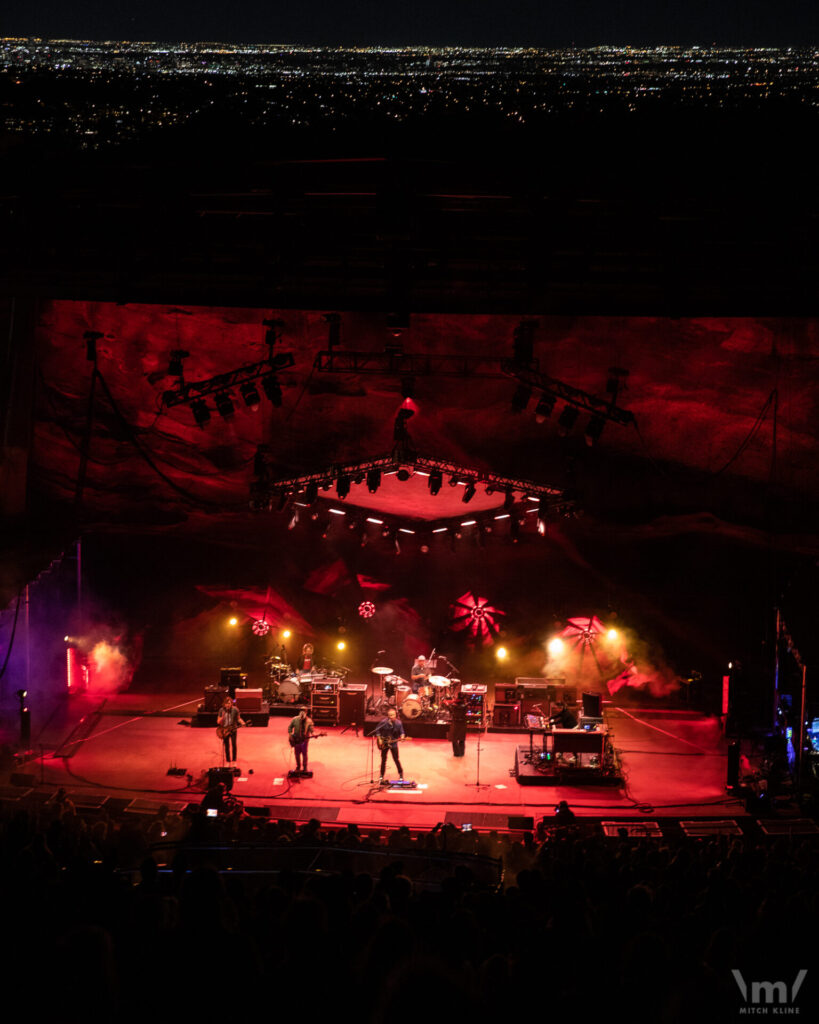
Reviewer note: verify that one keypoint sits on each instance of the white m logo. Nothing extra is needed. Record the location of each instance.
(765, 991)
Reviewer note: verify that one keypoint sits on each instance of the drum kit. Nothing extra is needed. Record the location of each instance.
(397, 693)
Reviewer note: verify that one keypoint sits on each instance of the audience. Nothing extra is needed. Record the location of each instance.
(577, 924)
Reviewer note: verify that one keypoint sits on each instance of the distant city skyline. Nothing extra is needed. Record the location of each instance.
(426, 22)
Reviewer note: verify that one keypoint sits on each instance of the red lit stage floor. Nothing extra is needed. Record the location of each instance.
(673, 763)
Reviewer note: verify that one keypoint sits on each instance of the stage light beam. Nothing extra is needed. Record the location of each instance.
(501, 653)
(556, 647)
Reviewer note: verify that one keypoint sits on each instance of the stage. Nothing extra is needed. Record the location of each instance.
(672, 762)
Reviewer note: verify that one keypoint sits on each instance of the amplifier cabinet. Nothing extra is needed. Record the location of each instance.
(214, 697)
(351, 703)
(249, 700)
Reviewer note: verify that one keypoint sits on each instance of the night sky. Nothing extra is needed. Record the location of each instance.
(467, 22)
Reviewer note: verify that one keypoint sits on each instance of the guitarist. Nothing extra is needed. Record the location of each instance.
(388, 733)
(227, 724)
(299, 732)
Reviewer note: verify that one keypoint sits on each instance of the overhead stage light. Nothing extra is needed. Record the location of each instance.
(469, 492)
(250, 394)
(436, 478)
(311, 492)
(521, 397)
(544, 408)
(408, 387)
(594, 430)
(566, 420)
(373, 480)
(201, 412)
(399, 431)
(224, 405)
(509, 501)
(272, 389)
(175, 368)
(343, 486)
(556, 646)
(542, 513)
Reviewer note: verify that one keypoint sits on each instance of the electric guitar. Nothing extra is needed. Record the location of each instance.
(385, 742)
(313, 736)
(223, 731)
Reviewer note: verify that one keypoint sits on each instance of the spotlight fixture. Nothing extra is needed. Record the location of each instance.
(310, 492)
(501, 653)
(333, 321)
(567, 420)
(521, 397)
(542, 512)
(594, 430)
(343, 486)
(201, 412)
(509, 501)
(366, 609)
(469, 492)
(272, 389)
(399, 432)
(175, 368)
(373, 480)
(224, 405)
(453, 480)
(544, 408)
(250, 394)
(436, 478)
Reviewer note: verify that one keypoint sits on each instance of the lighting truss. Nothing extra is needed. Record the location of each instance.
(264, 490)
(406, 364)
(189, 391)
(603, 408)
(425, 364)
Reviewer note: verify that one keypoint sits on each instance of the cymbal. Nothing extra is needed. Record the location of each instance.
(439, 680)
(381, 670)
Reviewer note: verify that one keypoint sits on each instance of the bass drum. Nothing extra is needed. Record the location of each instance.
(411, 708)
(289, 691)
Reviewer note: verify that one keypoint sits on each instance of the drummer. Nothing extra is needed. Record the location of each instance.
(419, 674)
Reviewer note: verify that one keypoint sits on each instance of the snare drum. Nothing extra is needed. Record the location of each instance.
(411, 708)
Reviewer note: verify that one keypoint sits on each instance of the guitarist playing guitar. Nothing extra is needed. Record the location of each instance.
(388, 733)
(227, 725)
(299, 732)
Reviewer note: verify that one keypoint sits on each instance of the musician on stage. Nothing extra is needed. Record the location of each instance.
(419, 674)
(563, 718)
(306, 660)
(227, 725)
(389, 732)
(299, 732)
